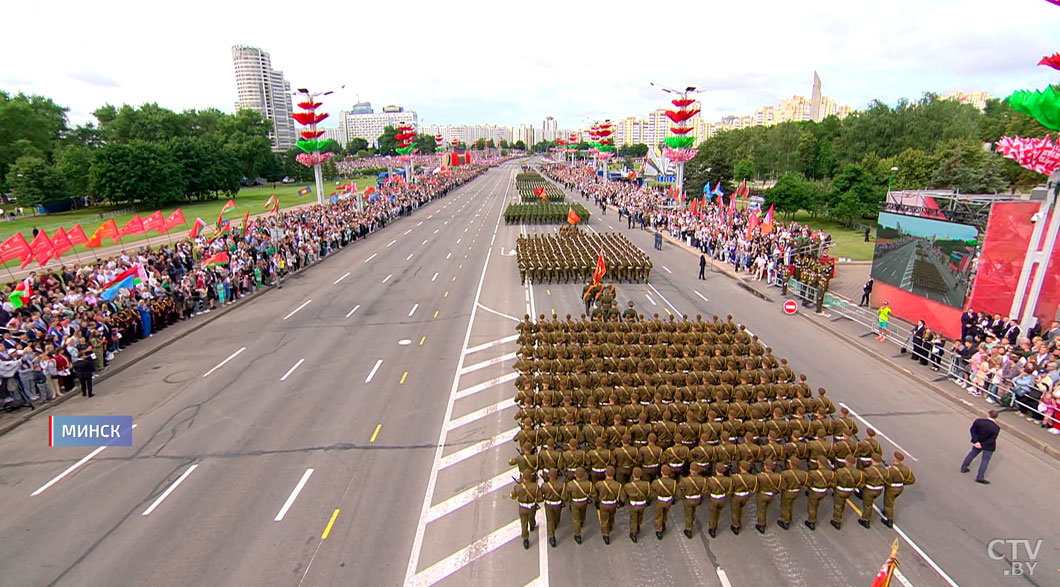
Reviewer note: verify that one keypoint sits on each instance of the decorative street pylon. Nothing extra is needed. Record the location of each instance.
(1040, 155)
(311, 144)
(679, 144)
(406, 147)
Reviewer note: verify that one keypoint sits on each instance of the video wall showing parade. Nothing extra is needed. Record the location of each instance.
(930, 258)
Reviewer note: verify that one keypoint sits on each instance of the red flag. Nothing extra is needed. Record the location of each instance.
(196, 227)
(76, 235)
(171, 221)
(154, 222)
(14, 247)
(767, 224)
(752, 224)
(94, 242)
(61, 242)
(40, 250)
(108, 229)
(740, 189)
(216, 260)
(572, 216)
(601, 269)
(133, 226)
(228, 206)
(246, 220)
(883, 578)
(732, 206)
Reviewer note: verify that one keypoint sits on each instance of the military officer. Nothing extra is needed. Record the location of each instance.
(898, 476)
(663, 493)
(848, 479)
(608, 492)
(637, 494)
(867, 447)
(577, 493)
(875, 481)
(691, 489)
(792, 482)
(744, 485)
(720, 488)
(819, 481)
(526, 493)
(769, 484)
(552, 497)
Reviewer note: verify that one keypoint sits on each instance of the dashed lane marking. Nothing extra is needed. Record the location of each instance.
(391, 243)
(387, 278)
(222, 363)
(291, 370)
(376, 433)
(294, 494)
(651, 300)
(304, 304)
(331, 523)
(372, 372)
(336, 282)
(413, 310)
(370, 258)
(69, 470)
(486, 363)
(701, 296)
(169, 490)
(350, 313)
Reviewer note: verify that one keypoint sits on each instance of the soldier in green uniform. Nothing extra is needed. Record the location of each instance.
(626, 458)
(875, 482)
(848, 479)
(691, 489)
(651, 457)
(792, 482)
(630, 315)
(898, 476)
(720, 488)
(552, 497)
(577, 493)
(526, 493)
(608, 493)
(769, 483)
(867, 447)
(744, 485)
(526, 461)
(599, 459)
(820, 480)
(663, 493)
(636, 494)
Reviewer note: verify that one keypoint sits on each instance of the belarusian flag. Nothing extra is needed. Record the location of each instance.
(196, 228)
(228, 206)
(767, 224)
(272, 200)
(216, 260)
(23, 292)
(883, 578)
(572, 216)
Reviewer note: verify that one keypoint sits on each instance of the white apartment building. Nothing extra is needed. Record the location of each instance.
(469, 133)
(335, 134)
(526, 134)
(548, 129)
(260, 87)
(370, 126)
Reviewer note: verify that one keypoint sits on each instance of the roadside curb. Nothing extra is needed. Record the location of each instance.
(1023, 435)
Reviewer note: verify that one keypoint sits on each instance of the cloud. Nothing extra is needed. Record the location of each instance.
(93, 78)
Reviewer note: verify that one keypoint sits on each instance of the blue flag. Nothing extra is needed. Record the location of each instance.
(717, 191)
(706, 189)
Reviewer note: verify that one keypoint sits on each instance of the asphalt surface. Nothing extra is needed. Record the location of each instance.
(390, 376)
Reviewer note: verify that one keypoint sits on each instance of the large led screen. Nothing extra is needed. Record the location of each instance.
(929, 258)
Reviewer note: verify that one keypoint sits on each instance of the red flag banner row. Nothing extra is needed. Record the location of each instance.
(44, 248)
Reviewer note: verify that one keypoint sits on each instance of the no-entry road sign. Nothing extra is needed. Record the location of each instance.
(790, 307)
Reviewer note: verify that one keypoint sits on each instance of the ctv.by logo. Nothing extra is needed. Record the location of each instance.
(1021, 555)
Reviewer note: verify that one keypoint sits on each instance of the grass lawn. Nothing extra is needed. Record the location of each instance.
(248, 199)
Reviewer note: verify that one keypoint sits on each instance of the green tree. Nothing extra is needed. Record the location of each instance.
(74, 162)
(137, 173)
(426, 143)
(965, 167)
(480, 144)
(247, 135)
(791, 193)
(490, 144)
(744, 169)
(29, 126)
(504, 144)
(519, 145)
(386, 141)
(33, 181)
(356, 145)
(856, 192)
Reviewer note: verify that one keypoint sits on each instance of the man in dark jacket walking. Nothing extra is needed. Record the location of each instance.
(866, 291)
(702, 265)
(83, 368)
(984, 440)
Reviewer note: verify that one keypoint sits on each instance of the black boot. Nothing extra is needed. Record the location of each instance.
(864, 524)
(552, 542)
(810, 525)
(688, 534)
(578, 538)
(526, 544)
(761, 529)
(713, 533)
(887, 522)
(836, 525)
(607, 540)
(735, 530)
(658, 535)
(633, 537)
(783, 524)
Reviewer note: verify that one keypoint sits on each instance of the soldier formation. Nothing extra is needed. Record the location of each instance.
(571, 256)
(644, 412)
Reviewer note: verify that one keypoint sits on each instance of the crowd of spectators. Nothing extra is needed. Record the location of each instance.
(66, 330)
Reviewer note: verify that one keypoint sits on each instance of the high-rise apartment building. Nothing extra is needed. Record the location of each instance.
(260, 87)
(369, 125)
(977, 99)
(548, 129)
(525, 133)
(469, 133)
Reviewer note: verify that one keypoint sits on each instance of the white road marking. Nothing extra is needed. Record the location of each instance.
(435, 277)
(502, 314)
(504, 404)
(458, 241)
(304, 304)
(294, 494)
(493, 343)
(650, 300)
(350, 313)
(374, 369)
(420, 223)
(465, 556)
(387, 278)
(701, 296)
(336, 282)
(222, 363)
(69, 470)
(428, 496)
(370, 258)
(465, 497)
(424, 242)
(486, 363)
(667, 269)
(721, 577)
(659, 293)
(291, 370)
(878, 431)
(477, 448)
(436, 230)
(407, 232)
(391, 243)
(449, 255)
(166, 493)
(413, 310)
(409, 257)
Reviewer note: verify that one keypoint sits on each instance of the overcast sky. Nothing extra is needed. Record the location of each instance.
(509, 62)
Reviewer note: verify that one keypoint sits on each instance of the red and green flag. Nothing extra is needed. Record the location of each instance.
(228, 206)
(23, 291)
(196, 228)
(216, 260)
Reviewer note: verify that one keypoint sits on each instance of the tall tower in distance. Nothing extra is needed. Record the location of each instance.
(815, 100)
(548, 129)
(260, 87)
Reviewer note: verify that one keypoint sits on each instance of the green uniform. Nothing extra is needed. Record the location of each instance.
(636, 494)
(663, 493)
(820, 480)
(692, 489)
(720, 488)
(792, 482)
(744, 485)
(898, 476)
(552, 498)
(847, 480)
(577, 493)
(608, 492)
(526, 494)
(769, 483)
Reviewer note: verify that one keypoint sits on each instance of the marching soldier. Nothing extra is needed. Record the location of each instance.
(552, 497)
(867, 448)
(848, 479)
(636, 494)
(677, 455)
(691, 489)
(526, 461)
(599, 459)
(550, 457)
(875, 481)
(744, 484)
(663, 493)
(608, 492)
(630, 315)
(651, 456)
(819, 480)
(526, 493)
(792, 481)
(626, 458)
(577, 493)
(769, 483)
(720, 488)
(573, 459)
(898, 476)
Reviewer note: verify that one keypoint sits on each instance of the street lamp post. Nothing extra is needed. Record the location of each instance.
(891, 182)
